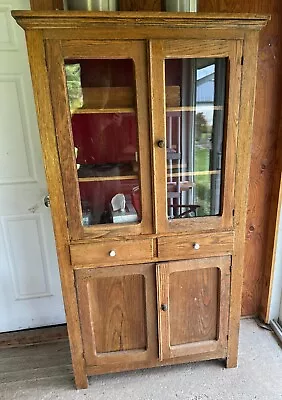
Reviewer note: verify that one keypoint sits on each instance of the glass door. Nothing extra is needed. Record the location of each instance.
(197, 145)
(106, 169)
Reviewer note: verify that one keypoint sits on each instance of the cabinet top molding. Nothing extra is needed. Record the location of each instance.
(79, 19)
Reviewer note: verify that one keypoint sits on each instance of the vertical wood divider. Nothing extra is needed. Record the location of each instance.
(39, 73)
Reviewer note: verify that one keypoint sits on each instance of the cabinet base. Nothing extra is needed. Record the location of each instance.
(113, 368)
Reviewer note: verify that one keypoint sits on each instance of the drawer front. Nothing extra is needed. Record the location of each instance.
(194, 246)
(111, 252)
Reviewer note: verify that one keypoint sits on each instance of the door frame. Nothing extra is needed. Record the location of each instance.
(82, 277)
(56, 53)
(195, 48)
(166, 351)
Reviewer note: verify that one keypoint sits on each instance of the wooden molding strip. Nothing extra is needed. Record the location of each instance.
(79, 19)
(33, 336)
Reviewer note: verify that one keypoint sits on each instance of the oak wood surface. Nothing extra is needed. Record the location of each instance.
(140, 5)
(118, 313)
(241, 191)
(186, 286)
(46, 5)
(260, 229)
(112, 368)
(99, 253)
(55, 58)
(116, 277)
(36, 52)
(182, 246)
(85, 20)
(170, 49)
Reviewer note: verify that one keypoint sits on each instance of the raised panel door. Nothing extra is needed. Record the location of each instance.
(193, 306)
(117, 307)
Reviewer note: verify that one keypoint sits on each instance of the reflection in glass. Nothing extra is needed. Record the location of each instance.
(194, 137)
(104, 127)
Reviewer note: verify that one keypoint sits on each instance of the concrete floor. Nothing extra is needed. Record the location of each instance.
(44, 373)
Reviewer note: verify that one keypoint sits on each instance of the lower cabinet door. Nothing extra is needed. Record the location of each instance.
(117, 308)
(193, 306)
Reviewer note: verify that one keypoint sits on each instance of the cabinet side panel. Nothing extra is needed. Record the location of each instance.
(241, 189)
(39, 75)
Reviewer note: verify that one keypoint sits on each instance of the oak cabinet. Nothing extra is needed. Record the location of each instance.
(146, 123)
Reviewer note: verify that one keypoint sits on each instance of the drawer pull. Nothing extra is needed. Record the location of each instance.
(196, 246)
(112, 253)
(164, 307)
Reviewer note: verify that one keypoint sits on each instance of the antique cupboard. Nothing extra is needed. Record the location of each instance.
(146, 125)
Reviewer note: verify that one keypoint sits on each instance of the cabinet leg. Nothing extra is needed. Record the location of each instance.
(232, 360)
(81, 381)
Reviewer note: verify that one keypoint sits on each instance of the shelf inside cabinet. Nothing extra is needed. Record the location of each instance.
(106, 172)
(195, 173)
(118, 100)
(194, 108)
(88, 110)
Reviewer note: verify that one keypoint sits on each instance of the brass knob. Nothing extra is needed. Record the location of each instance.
(196, 246)
(112, 253)
(161, 144)
(164, 307)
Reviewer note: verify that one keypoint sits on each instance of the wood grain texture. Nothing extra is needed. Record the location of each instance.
(134, 20)
(33, 336)
(274, 220)
(36, 52)
(118, 313)
(117, 306)
(99, 253)
(241, 190)
(266, 127)
(38, 5)
(111, 50)
(140, 5)
(182, 246)
(195, 292)
(193, 299)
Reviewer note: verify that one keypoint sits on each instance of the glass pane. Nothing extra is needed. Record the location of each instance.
(104, 127)
(195, 98)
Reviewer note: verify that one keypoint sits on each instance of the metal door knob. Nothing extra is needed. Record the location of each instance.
(164, 307)
(47, 201)
(161, 144)
(112, 253)
(196, 246)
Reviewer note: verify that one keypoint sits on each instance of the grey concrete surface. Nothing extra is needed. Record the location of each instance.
(44, 373)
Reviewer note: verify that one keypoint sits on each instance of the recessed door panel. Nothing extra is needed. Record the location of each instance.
(117, 309)
(193, 306)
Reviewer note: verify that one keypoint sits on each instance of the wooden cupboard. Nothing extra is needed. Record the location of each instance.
(146, 124)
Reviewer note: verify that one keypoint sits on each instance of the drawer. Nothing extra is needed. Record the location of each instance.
(111, 252)
(194, 246)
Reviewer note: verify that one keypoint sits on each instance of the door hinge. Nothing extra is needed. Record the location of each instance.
(233, 212)
(242, 60)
